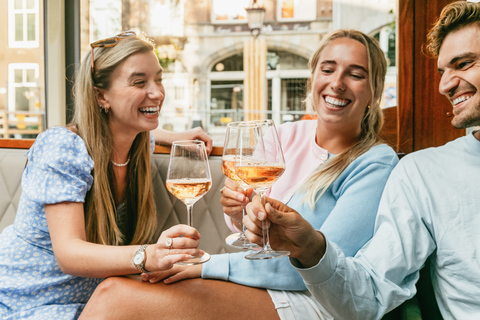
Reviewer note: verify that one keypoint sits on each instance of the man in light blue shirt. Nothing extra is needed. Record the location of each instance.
(430, 207)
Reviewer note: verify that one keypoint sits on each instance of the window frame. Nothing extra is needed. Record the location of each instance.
(312, 10)
(12, 43)
(12, 85)
(228, 21)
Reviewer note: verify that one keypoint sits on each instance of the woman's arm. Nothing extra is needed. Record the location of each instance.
(78, 257)
(165, 137)
(350, 222)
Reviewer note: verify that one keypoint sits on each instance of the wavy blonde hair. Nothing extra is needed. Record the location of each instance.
(91, 123)
(372, 121)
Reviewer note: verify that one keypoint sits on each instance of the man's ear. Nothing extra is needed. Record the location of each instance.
(100, 96)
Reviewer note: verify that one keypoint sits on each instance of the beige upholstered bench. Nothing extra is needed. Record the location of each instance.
(207, 212)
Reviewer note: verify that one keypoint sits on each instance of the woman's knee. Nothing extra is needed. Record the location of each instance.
(109, 287)
(110, 293)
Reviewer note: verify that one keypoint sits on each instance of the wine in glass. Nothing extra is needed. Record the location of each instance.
(259, 163)
(236, 240)
(188, 179)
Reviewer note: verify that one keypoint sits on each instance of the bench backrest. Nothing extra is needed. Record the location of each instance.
(207, 212)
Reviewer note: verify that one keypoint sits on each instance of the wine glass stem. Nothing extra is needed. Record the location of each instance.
(189, 215)
(244, 213)
(266, 238)
(266, 244)
(243, 226)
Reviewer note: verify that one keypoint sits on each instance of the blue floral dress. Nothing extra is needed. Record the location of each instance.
(32, 286)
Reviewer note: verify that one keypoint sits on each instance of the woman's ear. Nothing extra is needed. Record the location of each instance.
(100, 96)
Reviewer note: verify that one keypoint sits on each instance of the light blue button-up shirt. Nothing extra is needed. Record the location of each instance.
(430, 207)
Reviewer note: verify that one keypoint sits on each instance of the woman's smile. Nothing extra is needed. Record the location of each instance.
(334, 102)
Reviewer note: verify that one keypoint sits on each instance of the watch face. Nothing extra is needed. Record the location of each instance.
(138, 258)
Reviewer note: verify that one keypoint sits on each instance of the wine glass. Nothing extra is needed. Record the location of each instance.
(259, 163)
(236, 240)
(188, 179)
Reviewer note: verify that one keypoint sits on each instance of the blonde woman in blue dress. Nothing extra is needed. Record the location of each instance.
(87, 208)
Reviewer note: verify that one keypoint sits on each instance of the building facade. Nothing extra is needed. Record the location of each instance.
(22, 100)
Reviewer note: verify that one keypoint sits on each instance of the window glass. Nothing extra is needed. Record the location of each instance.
(22, 75)
(31, 26)
(293, 94)
(226, 103)
(296, 10)
(18, 27)
(18, 4)
(18, 75)
(30, 75)
(23, 23)
(232, 63)
(200, 45)
(229, 11)
(285, 60)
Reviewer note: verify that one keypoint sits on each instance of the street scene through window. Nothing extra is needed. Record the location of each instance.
(217, 69)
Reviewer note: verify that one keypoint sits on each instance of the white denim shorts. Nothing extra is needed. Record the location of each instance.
(297, 305)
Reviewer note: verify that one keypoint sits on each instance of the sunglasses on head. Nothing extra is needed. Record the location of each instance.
(110, 43)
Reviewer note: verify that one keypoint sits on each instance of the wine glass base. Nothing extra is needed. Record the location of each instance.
(239, 241)
(195, 260)
(267, 254)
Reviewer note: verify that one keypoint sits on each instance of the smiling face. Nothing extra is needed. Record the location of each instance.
(135, 96)
(459, 66)
(340, 86)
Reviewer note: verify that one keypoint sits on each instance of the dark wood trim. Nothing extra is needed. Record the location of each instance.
(424, 115)
(27, 143)
(217, 151)
(406, 64)
(16, 143)
(433, 112)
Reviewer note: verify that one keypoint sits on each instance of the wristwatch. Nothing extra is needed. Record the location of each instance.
(140, 258)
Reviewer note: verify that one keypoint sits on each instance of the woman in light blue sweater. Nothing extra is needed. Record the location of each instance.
(340, 198)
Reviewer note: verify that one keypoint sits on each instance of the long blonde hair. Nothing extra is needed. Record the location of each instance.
(372, 121)
(91, 123)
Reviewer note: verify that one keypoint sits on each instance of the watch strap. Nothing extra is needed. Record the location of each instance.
(141, 265)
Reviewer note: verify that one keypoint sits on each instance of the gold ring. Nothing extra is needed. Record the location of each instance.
(169, 243)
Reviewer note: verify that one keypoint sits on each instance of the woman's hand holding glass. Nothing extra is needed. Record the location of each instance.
(234, 199)
(183, 244)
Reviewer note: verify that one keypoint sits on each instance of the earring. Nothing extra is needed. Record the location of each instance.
(105, 109)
